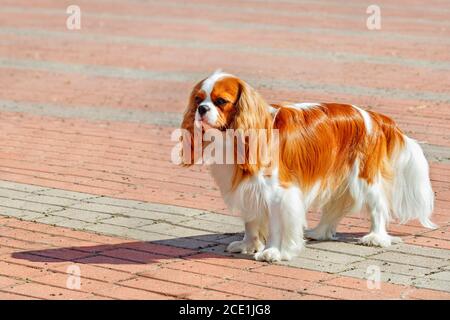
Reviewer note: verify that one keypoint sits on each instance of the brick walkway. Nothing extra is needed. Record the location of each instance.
(85, 123)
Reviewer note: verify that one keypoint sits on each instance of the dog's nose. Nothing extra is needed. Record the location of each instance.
(202, 109)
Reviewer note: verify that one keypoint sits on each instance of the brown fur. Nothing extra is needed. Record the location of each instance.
(319, 143)
(322, 143)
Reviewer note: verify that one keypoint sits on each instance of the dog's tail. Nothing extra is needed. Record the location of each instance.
(412, 195)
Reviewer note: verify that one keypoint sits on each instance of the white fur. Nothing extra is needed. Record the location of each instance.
(408, 197)
(304, 105)
(272, 214)
(275, 216)
(367, 119)
(351, 198)
(346, 199)
(209, 82)
(378, 205)
(412, 195)
(252, 240)
(212, 115)
(273, 111)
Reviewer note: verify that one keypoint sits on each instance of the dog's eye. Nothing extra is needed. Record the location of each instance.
(198, 100)
(220, 102)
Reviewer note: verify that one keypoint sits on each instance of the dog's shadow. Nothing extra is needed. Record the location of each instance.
(149, 252)
(136, 252)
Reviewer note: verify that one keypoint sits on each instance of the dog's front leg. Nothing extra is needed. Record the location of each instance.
(251, 242)
(272, 252)
(286, 224)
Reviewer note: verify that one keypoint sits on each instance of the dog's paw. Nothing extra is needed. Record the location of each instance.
(320, 234)
(377, 240)
(269, 255)
(245, 247)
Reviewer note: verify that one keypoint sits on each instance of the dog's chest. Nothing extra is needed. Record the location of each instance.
(222, 175)
(251, 196)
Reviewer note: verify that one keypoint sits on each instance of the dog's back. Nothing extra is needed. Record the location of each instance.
(351, 157)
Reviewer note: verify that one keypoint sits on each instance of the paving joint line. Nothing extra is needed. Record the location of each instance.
(20, 294)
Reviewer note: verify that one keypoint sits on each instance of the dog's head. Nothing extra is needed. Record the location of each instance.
(223, 101)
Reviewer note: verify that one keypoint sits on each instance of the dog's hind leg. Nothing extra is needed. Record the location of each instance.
(332, 212)
(378, 206)
(348, 198)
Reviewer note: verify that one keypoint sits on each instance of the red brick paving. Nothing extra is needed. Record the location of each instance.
(192, 276)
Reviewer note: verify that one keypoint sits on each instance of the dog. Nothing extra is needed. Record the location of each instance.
(336, 157)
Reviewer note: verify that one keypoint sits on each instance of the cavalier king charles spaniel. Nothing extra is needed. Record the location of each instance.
(335, 157)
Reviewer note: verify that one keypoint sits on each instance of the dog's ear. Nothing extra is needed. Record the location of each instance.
(252, 120)
(251, 110)
(190, 130)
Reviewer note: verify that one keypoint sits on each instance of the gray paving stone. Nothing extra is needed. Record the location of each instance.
(173, 230)
(170, 209)
(125, 203)
(155, 215)
(126, 232)
(128, 222)
(98, 207)
(49, 219)
(87, 216)
(40, 207)
(30, 206)
(13, 194)
(73, 224)
(108, 229)
(11, 203)
(384, 277)
(323, 266)
(51, 200)
(32, 216)
(392, 267)
(409, 259)
(328, 256)
(66, 194)
(20, 186)
(12, 212)
(443, 275)
(344, 247)
(148, 236)
(212, 226)
(434, 284)
(216, 217)
(171, 214)
(422, 251)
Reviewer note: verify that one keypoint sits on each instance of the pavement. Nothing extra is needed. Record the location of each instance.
(91, 206)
